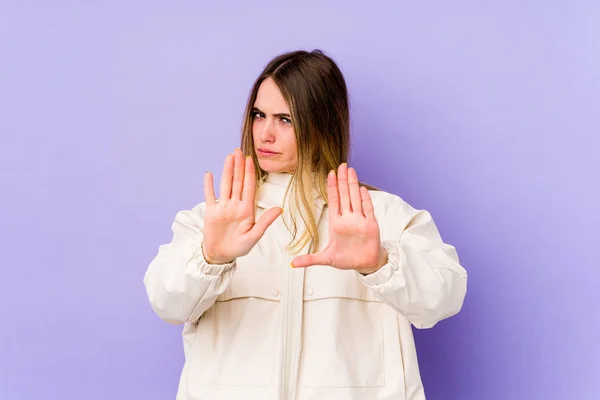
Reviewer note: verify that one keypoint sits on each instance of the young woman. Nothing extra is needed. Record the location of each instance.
(298, 282)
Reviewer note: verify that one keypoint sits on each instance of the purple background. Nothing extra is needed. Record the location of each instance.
(486, 114)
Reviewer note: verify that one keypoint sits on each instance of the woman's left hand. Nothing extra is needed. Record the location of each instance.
(354, 241)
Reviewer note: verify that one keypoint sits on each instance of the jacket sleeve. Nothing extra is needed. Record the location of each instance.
(423, 279)
(180, 284)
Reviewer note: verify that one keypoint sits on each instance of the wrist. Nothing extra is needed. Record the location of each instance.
(383, 259)
(213, 260)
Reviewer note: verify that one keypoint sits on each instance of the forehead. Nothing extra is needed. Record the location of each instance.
(269, 98)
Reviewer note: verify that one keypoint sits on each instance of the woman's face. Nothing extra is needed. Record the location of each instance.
(272, 130)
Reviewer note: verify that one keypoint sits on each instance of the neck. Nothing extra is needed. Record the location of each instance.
(279, 178)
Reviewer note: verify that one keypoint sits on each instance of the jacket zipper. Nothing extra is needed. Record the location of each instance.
(294, 298)
(292, 318)
(288, 337)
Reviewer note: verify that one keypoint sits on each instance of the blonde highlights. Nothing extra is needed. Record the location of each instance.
(316, 93)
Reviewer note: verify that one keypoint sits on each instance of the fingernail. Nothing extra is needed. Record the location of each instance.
(292, 265)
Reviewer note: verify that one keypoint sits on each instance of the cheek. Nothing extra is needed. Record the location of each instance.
(254, 129)
(291, 141)
(291, 145)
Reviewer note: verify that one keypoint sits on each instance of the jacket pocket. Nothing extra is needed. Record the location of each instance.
(342, 332)
(236, 338)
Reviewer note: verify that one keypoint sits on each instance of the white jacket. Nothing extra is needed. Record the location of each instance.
(257, 329)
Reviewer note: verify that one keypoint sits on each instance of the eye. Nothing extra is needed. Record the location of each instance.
(286, 121)
(257, 114)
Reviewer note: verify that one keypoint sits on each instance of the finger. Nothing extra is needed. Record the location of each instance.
(226, 178)
(342, 183)
(367, 203)
(259, 228)
(249, 181)
(209, 190)
(333, 197)
(238, 174)
(355, 199)
(309, 260)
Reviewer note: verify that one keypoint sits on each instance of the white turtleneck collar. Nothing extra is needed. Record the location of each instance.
(272, 192)
(279, 178)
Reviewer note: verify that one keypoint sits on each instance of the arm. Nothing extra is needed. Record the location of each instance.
(422, 279)
(180, 284)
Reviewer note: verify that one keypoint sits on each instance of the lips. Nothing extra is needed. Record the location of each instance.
(266, 152)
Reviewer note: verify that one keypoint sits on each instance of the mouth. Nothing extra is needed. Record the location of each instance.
(266, 153)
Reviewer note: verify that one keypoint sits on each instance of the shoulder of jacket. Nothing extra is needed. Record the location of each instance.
(195, 213)
(389, 206)
(386, 200)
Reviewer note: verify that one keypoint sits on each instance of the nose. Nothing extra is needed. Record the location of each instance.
(265, 133)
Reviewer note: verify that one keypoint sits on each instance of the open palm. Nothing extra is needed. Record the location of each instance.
(354, 241)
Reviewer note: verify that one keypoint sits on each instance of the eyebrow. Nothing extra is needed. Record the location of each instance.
(278, 115)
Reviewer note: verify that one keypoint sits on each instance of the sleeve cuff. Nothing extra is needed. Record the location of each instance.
(385, 273)
(210, 269)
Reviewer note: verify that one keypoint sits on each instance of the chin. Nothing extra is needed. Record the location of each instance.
(273, 167)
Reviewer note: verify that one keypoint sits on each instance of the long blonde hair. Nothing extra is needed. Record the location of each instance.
(315, 90)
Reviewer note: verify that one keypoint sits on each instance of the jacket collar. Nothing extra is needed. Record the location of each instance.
(271, 193)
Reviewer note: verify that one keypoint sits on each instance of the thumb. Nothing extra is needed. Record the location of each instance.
(309, 259)
(265, 220)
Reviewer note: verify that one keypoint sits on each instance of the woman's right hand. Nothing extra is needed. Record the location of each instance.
(230, 230)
